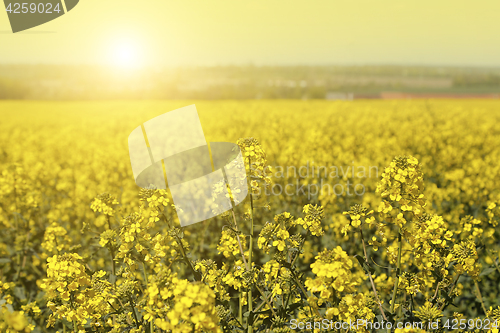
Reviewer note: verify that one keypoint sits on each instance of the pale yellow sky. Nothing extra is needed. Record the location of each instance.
(201, 32)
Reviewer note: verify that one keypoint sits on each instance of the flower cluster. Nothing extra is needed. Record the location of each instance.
(14, 322)
(494, 313)
(104, 203)
(493, 213)
(402, 183)
(258, 170)
(332, 269)
(312, 219)
(280, 281)
(156, 200)
(72, 293)
(428, 238)
(275, 234)
(56, 239)
(239, 277)
(212, 276)
(193, 309)
(471, 228)
(412, 283)
(358, 213)
(465, 254)
(353, 307)
(134, 238)
(428, 313)
(229, 243)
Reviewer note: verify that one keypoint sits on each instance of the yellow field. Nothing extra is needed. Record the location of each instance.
(69, 204)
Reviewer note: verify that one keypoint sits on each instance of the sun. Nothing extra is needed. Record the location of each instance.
(126, 54)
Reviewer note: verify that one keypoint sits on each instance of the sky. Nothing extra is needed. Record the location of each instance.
(158, 33)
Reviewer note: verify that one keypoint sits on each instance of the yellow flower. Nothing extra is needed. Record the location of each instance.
(104, 203)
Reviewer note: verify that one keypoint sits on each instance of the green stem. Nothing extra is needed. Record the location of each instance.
(240, 307)
(247, 267)
(480, 298)
(266, 300)
(186, 259)
(22, 262)
(250, 250)
(435, 293)
(250, 247)
(287, 300)
(371, 279)
(133, 311)
(398, 272)
(113, 265)
(300, 249)
(18, 267)
(145, 273)
(151, 323)
(239, 242)
(298, 284)
(260, 305)
(496, 265)
(451, 290)
(183, 252)
(57, 246)
(111, 305)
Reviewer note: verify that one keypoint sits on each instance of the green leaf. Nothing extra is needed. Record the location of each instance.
(367, 268)
(250, 315)
(294, 306)
(487, 271)
(268, 312)
(360, 259)
(449, 300)
(4, 260)
(20, 293)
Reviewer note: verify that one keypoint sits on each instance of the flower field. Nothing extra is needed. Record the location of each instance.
(363, 210)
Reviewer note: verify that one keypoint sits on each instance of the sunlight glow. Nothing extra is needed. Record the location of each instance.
(125, 54)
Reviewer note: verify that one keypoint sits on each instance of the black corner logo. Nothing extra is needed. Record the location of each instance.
(27, 14)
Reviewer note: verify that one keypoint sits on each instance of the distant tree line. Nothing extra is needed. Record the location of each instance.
(65, 82)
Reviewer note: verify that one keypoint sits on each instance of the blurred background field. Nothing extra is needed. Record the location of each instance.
(97, 82)
(89, 138)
